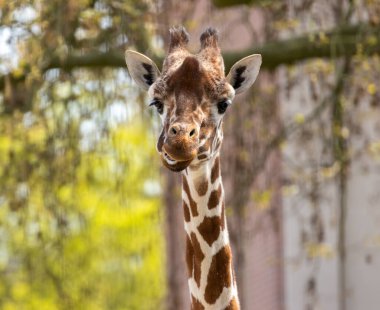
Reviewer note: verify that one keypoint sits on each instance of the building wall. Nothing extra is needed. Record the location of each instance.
(311, 199)
(363, 216)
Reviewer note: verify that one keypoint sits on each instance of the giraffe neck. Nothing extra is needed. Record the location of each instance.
(208, 252)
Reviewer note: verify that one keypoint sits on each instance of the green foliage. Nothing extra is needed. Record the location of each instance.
(80, 228)
(80, 219)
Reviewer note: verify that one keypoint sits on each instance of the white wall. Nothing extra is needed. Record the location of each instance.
(303, 154)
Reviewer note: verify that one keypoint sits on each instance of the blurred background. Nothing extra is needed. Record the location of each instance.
(90, 220)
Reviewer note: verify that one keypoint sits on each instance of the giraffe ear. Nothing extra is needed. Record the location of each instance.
(142, 69)
(244, 73)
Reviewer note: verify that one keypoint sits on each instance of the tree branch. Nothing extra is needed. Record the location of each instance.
(340, 41)
(229, 3)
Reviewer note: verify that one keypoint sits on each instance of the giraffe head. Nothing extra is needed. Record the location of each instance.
(191, 95)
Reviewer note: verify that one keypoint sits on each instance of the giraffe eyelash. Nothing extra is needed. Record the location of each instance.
(158, 104)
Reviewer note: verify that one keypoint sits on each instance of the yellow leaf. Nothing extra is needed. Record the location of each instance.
(323, 38)
(290, 190)
(37, 135)
(374, 149)
(20, 290)
(262, 199)
(331, 171)
(322, 250)
(18, 72)
(371, 89)
(372, 40)
(299, 118)
(345, 132)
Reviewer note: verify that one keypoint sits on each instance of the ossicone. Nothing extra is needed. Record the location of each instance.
(178, 38)
(209, 38)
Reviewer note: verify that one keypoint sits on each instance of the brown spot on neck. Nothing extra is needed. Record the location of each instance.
(214, 198)
(193, 204)
(195, 304)
(210, 229)
(215, 171)
(219, 275)
(202, 156)
(198, 257)
(186, 211)
(201, 185)
(189, 257)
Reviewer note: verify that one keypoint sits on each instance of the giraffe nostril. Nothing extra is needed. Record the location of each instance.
(192, 133)
(174, 131)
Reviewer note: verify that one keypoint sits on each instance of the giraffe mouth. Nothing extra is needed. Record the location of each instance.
(172, 163)
(169, 159)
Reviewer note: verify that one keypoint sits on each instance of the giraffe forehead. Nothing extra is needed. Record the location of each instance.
(190, 79)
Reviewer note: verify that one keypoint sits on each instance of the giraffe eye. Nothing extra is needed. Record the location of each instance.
(223, 105)
(158, 104)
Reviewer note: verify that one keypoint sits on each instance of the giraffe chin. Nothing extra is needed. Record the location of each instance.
(176, 166)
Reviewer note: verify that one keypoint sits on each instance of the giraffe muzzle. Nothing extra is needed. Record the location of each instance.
(177, 157)
(179, 152)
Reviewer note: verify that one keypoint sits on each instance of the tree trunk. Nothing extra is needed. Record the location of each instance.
(177, 294)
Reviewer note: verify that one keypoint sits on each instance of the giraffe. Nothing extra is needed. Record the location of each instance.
(191, 95)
